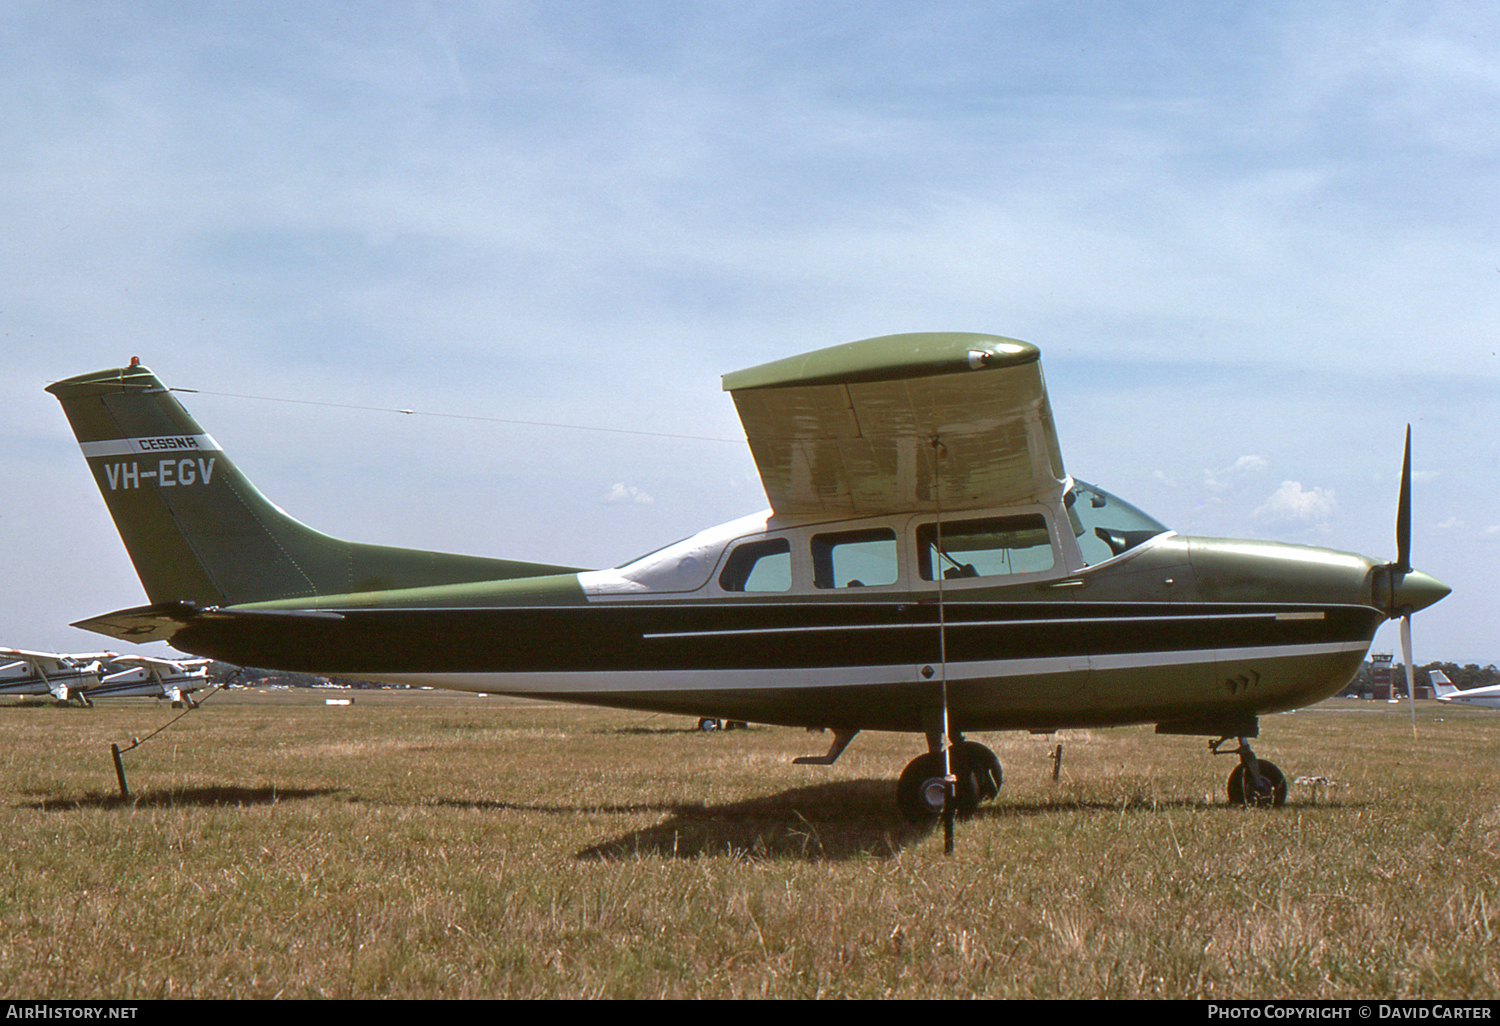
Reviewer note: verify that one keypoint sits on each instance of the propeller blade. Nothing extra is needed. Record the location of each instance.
(1403, 512)
(1411, 673)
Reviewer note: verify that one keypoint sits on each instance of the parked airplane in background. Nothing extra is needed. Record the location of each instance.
(151, 677)
(1446, 692)
(64, 677)
(927, 565)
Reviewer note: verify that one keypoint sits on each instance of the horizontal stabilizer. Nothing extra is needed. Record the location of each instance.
(141, 624)
(161, 622)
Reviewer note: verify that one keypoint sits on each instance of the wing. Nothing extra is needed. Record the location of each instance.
(901, 423)
(164, 664)
(38, 662)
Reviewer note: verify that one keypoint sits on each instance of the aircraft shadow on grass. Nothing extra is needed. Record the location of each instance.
(845, 819)
(191, 796)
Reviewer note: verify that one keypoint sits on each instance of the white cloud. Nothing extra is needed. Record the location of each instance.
(622, 492)
(1290, 502)
(1219, 480)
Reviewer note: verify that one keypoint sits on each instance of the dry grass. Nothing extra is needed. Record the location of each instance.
(432, 845)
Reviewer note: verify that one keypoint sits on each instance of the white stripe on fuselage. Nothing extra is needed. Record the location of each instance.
(958, 624)
(782, 678)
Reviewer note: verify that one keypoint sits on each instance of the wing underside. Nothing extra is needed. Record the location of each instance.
(901, 423)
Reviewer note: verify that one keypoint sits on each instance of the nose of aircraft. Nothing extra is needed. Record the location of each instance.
(1416, 590)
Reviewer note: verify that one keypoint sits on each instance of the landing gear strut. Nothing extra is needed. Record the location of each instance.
(922, 789)
(1254, 782)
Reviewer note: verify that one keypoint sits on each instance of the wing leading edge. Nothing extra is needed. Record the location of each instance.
(850, 430)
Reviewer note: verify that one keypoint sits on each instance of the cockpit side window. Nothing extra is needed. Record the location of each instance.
(854, 559)
(760, 566)
(989, 547)
(1105, 525)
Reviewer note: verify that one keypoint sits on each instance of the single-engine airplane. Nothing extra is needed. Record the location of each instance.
(927, 565)
(1447, 692)
(64, 677)
(154, 677)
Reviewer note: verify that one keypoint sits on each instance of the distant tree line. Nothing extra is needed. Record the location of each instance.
(228, 673)
(1467, 676)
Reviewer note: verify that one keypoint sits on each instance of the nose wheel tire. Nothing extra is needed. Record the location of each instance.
(1268, 793)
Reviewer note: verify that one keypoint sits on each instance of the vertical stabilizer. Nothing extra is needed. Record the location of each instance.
(1441, 685)
(198, 531)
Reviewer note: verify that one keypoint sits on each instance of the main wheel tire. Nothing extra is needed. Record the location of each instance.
(978, 772)
(976, 768)
(1271, 796)
(911, 789)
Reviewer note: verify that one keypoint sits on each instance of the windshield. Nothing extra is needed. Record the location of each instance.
(1106, 525)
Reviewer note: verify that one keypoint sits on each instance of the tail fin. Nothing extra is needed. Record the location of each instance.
(1441, 685)
(198, 531)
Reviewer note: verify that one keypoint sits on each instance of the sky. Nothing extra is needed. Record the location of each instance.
(1252, 241)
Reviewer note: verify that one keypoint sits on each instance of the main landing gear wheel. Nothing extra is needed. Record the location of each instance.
(978, 771)
(1267, 793)
(921, 791)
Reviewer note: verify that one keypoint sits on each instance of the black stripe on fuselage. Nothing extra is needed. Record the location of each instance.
(638, 636)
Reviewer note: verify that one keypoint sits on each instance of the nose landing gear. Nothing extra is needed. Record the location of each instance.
(1254, 782)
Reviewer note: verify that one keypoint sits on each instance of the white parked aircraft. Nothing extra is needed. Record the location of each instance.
(64, 677)
(152, 677)
(1447, 692)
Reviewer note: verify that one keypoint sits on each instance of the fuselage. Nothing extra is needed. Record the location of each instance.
(61, 678)
(1488, 697)
(1080, 611)
(151, 682)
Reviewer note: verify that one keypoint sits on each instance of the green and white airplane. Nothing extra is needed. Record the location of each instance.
(926, 565)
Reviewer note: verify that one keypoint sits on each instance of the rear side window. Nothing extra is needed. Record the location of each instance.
(758, 566)
(992, 547)
(854, 559)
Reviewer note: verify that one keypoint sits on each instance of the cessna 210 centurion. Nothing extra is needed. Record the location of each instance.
(926, 565)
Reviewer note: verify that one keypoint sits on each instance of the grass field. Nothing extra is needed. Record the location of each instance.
(437, 845)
